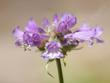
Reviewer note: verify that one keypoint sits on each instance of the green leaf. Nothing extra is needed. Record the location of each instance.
(64, 62)
(46, 67)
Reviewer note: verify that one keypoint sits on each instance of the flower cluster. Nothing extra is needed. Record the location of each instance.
(56, 38)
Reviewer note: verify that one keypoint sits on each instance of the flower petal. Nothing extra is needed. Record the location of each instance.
(27, 38)
(18, 34)
(55, 55)
(45, 23)
(69, 19)
(31, 26)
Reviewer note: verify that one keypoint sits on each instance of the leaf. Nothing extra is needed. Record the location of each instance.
(46, 67)
(78, 48)
(64, 62)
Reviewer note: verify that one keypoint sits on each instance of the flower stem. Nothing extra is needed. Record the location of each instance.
(60, 73)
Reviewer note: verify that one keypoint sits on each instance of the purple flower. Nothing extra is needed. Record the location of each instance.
(85, 33)
(32, 36)
(31, 26)
(66, 22)
(18, 35)
(69, 19)
(52, 50)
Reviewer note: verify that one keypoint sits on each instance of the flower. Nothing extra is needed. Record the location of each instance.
(66, 22)
(18, 35)
(69, 19)
(31, 26)
(86, 34)
(31, 36)
(55, 38)
(52, 50)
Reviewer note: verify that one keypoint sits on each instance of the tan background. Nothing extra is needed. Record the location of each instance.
(89, 65)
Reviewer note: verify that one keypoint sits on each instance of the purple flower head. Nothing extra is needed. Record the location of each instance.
(53, 51)
(55, 38)
(85, 33)
(18, 34)
(66, 22)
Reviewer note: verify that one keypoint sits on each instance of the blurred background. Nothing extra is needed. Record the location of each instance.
(89, 65)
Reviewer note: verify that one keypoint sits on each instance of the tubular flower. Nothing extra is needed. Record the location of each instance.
(65, 23)
(86, 34)
(18, 35)
(53, 51)
(32, 36)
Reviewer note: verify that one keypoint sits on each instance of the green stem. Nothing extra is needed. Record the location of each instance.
(60, 73)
